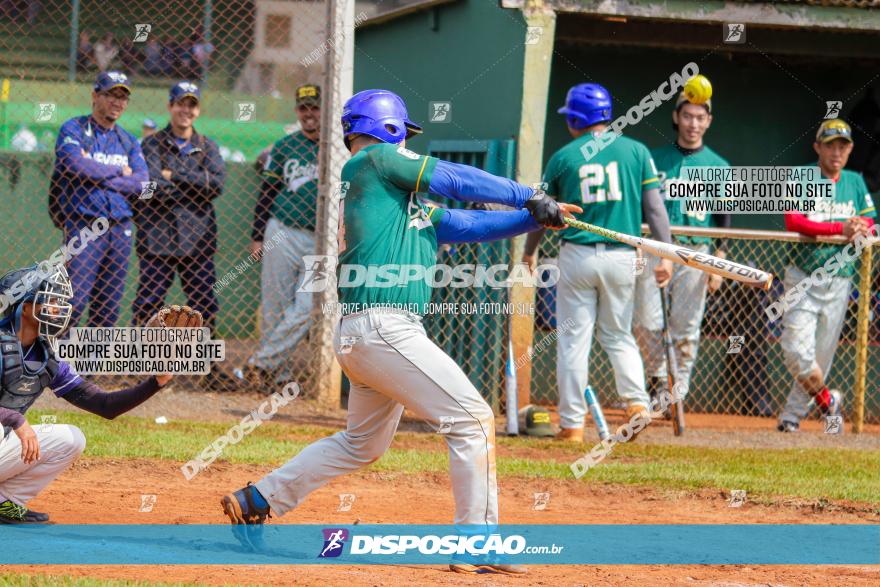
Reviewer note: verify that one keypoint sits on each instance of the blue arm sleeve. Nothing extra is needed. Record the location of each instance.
(469, 184)
(469, 226)
(68, 150)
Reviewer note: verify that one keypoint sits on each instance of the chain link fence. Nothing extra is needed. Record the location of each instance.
(224, 220)
(740, 365)
(220, 218)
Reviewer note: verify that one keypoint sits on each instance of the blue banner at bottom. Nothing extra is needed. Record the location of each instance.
(286, 544)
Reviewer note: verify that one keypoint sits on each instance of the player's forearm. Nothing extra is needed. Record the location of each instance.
(11, 418)
(533, 240)
(75, 164)
(128, 184)
(469, 184)
(263, 209)
(466, 226)
(654, 213)
(90, 397)
(800, 223)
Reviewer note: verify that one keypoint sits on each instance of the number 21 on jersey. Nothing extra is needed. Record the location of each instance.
(600, 183)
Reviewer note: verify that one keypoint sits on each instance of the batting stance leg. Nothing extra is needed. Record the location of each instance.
(392, 364)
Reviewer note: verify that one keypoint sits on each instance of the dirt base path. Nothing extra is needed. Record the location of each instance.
(103, 491)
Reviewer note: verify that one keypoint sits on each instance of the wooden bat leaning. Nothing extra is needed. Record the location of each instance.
(703, 262)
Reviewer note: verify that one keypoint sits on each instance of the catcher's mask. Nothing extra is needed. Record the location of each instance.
(47, 287)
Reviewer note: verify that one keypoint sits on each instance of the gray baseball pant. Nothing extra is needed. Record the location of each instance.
(595, 293)
(810, 332)
(687, 304)
(286, 311)
(60, 445)
(393, 365)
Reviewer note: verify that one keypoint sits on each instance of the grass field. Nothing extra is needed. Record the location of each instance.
(817, 480)
(768, 474)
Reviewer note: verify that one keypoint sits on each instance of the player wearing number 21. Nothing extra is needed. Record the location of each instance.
(617, 188)
(688, 286)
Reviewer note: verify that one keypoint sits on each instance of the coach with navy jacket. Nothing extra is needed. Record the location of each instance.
(100, 169)
(177, 226)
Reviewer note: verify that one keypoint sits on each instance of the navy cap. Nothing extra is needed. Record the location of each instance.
(181, 90)
(107, 80)
(150, 123)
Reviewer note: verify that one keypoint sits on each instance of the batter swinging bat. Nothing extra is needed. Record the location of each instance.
(683, 256)
(676, 407)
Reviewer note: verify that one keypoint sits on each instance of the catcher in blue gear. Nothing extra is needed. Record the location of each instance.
(36, 308)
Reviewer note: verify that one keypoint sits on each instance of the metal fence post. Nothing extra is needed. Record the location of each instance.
(337, 86)
(863, 326)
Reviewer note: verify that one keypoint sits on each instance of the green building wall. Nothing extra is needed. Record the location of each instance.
(469, 53)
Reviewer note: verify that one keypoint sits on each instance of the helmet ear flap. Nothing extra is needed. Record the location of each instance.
(576, 122)
(393, 130)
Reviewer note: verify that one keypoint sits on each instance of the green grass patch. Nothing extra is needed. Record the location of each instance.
(808, 474)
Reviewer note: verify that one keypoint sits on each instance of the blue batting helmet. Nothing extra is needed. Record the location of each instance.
(586, 105)
(377, 113)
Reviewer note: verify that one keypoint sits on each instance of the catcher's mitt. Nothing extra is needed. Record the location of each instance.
(176, 317)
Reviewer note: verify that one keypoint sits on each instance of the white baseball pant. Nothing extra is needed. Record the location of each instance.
(60, 445)
(687, 303)
(810, 333)
(392, 364)
(286, 311)
(595, 292)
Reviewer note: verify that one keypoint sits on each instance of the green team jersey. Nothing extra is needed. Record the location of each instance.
(670, 160)
(608, 187)
(851, 198)
(383, 222)
(292, 168)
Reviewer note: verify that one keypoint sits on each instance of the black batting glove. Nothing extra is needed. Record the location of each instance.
(545, 210)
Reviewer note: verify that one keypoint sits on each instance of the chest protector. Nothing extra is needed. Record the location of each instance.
(19, 386)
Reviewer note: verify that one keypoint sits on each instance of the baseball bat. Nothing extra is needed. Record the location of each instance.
(596, 412)
(676, 407)
(683, 256)
(510, 392)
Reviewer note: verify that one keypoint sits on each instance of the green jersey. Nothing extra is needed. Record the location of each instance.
(292, 168)
(851, 198)
(608, 187)
(670, 161)
(383, 223)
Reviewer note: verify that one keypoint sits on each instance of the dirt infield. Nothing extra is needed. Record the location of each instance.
(104, 491)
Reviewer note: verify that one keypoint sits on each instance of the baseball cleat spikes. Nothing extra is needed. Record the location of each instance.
(246, 517)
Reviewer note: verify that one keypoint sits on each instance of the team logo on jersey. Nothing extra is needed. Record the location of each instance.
(418, 213)
(829, 211)
(298, 173)
(407, 153)
(869, 202)
(334, 541)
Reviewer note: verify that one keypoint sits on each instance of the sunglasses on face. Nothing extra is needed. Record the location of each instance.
(116, 97)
